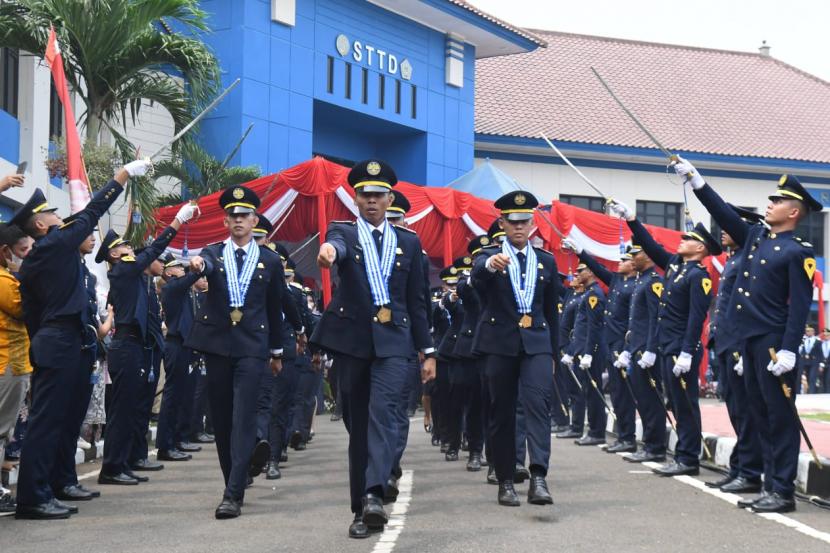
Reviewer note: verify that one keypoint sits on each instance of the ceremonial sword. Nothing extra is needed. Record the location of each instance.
(627, 382)
(572, 166)
(691, 410)
(659, 396)
(559, 397)
(595, 387)
(791, 400)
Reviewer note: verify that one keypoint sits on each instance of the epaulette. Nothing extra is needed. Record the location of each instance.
(406, 230)
(63, 226)
(543, 250)
(802, 242)
(344, 222)
(296, 285)
(424, 252)
(491, 247)
(215, 243)
(128, 258)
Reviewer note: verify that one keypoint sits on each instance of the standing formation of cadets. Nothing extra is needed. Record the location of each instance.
(507, 353)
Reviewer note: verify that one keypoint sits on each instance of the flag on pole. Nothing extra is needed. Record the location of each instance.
(75, 172)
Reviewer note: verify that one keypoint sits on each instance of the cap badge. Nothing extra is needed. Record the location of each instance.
(520, 199)
(782, 180)
(373, 168)
(467, 260)
(484, 240)
(238, 193)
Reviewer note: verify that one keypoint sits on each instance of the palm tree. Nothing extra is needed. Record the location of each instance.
(118, 53)
(200, 174)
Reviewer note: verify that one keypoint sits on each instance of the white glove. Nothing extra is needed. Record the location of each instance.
(739, 366)
(585, 362)
(187, 212)
(623, 360)
(786, 363)
(567, 360)
(569, 244)
(619, 209)
(688, 173)
(647, 360)
(682, 365)
(139, 167)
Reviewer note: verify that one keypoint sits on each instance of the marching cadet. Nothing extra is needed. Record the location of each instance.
(238, 328)
(588, 349)
(130, 355)
(641, 348)
(620, 288)
(684, 303)
(745, 463)
(447, 350)
(517, 332)
(373, 323)
(808, 360)
(178, 316)
(570, 304)
(774, 292)
(471, 364)
(560, 416)
(439, 387)
(55, 308)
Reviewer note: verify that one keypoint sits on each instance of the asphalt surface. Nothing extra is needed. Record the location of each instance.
(601, 504)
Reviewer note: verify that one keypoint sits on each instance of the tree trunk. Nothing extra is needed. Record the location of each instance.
(93, 127)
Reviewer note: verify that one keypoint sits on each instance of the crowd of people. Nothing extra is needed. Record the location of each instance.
(507, 351)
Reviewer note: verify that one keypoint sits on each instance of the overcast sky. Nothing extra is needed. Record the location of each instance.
(797, 30)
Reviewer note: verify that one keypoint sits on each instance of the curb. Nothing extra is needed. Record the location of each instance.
(810, 480)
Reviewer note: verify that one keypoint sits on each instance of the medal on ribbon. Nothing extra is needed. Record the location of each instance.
(378, 267)
(523, 296)
(239, 281)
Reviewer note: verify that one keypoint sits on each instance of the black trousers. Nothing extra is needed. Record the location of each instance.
(147, 396)
(465, 405)
(176, 368)
(200, 418)
(441, 401)
(589, 399)
(505, 375)
(283, 394)
(746, 459)
(621, 399)
(650, 404)
(233, 386)
(686, 407)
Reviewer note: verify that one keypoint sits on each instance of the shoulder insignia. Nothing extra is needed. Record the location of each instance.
(127, 258)
(706, 284)
(215, 244)
(404, 229)
(543, 250)
(657, 288)
(810, 267)
(559, 307)
(296, 285)
(593, 301)
(344, 222)
(63, 226)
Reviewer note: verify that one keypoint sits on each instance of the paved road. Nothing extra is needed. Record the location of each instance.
(602, 504)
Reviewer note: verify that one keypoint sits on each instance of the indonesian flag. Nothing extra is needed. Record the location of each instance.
(75, 171)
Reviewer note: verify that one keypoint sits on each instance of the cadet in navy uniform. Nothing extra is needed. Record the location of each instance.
(588, 349)
(439, 387)
(684, 304)
(372, 325)
(178, 316)
(446, 349)
(808, 353)
(620, 288)
(745, 463)
(131, 349)
(519, 287)
(639, 357)
(567, 317)
(55, 308)
(560, 417)
(775, 290)
(238, 328)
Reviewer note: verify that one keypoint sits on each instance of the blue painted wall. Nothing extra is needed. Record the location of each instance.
(285, 90)
(9, 138)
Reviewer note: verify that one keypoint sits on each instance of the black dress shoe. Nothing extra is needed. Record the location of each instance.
(138, 478)
(622, 447)
(73, 510)
(465, 446)
(295, 439)
(747, 503)
(173, 455)
(537, 493)
(188, 447)
(301, 446)
(93, 493)
(204, 438)
(720, 482)
(358, 528)
(435, 441)
(73, 493)
(390, 494)
(774, 503)
(44, 511)
(445, 447)
(284, 456)
(491, 475)
(272, 471)
(645, 456)
(520, 474)
(589, 440)
(335, 417)
(122, 479)
(229, 508)
(676, 468)
(146, 465)
(373, 513)
(249, 482)
(742, 485)
(474, 462)
(507, 494)
(569, 434)
(260, 456)
(451, 455)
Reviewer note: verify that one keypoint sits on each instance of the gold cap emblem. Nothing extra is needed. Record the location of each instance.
(520, 199)
(468, 260)
(373, 168)
(484, 240)
(453, 270)
(238, 193)
(782, 180)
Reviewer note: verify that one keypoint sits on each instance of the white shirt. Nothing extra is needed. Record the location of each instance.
(493, 269)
